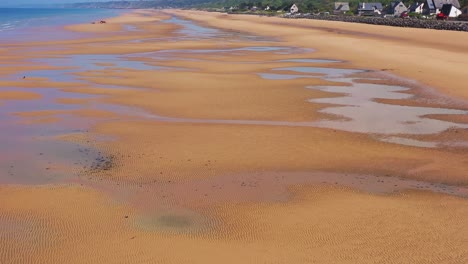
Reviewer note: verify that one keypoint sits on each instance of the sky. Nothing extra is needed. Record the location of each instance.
(38, 2)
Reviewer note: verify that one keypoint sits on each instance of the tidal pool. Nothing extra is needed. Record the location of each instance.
(29, 151)
(275, 76)
(194, 31)
(310, 60)
(360, 110)
(364, 114)
(328, 72)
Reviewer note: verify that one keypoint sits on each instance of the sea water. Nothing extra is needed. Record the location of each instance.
(26, 23)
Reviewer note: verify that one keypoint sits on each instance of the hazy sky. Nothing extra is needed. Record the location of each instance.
(38, 2)
(46, 1)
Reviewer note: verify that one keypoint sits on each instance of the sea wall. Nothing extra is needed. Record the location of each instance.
(395, 22)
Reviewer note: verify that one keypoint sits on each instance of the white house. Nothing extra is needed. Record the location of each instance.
(294, 9)
(416, 8)
(435, 6)
(369, 9)
(396, 8)
(341, 8)
(450, 10)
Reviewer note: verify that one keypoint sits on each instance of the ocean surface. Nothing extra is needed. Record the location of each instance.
(27, 22)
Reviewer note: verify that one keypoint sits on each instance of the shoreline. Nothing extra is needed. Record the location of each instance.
(27, 29)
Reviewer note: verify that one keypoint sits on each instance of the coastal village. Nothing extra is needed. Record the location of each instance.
(436, 9)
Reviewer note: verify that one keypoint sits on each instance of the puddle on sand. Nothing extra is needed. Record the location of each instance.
(47, 102)
(238, 51)
(409, 142)
(275, 76)
(172, 221)
(194, 31)
(424, 144)
(365, 115)
(28, 160)
(68, 66)
(329, 72)
(128, 27)
(310, 60)
(29, 154)
(92, 62)
(310, 72)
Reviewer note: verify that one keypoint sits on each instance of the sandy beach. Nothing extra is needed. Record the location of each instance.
(178, 136)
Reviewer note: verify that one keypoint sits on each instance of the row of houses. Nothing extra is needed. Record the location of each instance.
(429, 7)
(451, 8)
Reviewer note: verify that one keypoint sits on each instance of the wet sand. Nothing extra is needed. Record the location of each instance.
(236, 139)
(435, 58)
(18, 95)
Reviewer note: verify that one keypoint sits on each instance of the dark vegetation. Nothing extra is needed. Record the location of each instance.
(305, 6)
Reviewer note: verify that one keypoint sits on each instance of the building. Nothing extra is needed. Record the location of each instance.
(341, 8)
(370, 9)
(416, 8)
(434, 6)
(396, 8)
(450, 10)
(294, 9)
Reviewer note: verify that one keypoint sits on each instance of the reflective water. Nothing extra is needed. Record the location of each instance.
(28, 151)
(47, 102)
(310, 60)
(66, 68)
(239, 51)
(92, 62)
(130, 28)
(329, 72)
(365, 115)
(360, 110)
(193, 31)
(274, 76)
(409, 142)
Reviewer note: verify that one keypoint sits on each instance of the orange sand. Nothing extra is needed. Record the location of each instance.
(125, 215)
(322, 225)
